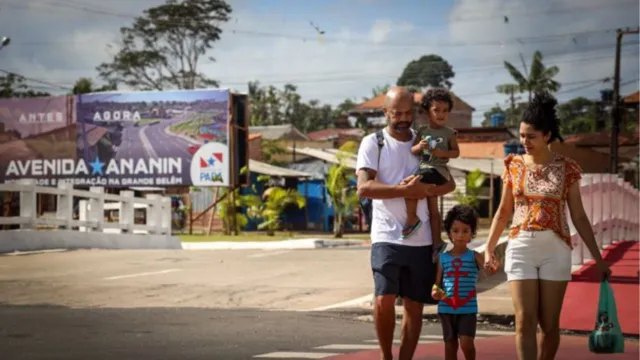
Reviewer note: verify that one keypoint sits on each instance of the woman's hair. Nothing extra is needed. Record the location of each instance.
(541, 114)
(463, 213)
(436, 94)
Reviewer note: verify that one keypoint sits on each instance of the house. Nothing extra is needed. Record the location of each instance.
(278, 132)
(255, 147)
(338, 136)
(460, 117)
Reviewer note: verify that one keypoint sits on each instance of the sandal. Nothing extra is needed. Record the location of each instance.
(409, 230)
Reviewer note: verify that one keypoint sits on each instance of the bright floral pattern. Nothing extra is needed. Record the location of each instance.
(540, 194)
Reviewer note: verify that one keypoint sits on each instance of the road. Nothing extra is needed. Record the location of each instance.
(184, 304)
(131, 147)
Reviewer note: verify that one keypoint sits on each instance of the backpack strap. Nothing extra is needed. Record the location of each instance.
(380, 139)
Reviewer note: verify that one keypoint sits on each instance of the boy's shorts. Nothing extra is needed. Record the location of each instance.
(456, 325)
(431, 176)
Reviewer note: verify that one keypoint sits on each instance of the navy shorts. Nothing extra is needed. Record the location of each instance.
(456, 325)
(404, 271)
(431, 176)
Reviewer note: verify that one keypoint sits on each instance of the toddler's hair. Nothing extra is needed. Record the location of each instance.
(462, 213)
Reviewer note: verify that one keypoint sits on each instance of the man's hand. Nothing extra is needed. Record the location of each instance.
(414, 189)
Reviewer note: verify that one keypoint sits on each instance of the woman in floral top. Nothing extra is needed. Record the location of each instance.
(537, 186)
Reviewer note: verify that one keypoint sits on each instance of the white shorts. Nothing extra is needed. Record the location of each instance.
(537, 255)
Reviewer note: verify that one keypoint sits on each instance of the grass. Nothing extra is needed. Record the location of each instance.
(260, 236)
(146, 121)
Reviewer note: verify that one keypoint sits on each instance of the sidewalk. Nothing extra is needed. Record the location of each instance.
(503, 348)
(581, 299)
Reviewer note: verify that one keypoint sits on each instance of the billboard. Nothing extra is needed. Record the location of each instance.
(127, 139)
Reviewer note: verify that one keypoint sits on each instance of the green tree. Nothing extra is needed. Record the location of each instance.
(429, 70)
(15, 86)
(86, 86)
(269, 105)
(473, 185)
(163, 47)
(577, 115)
(275, 201)
(486, 122)
(343, 198)
(241, 201)
(538, 78)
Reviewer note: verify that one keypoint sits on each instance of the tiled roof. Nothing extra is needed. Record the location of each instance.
(275, 132)
(254, 136)
(633, 98)
(602, 138)
(378, 102)
(329, 134)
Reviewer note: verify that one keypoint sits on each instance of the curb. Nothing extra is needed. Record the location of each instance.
(271, 245)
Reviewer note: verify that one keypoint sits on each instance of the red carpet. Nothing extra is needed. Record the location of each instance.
(581, 300)
(503, 348)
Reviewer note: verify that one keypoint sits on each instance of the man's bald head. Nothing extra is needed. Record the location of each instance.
(397, 95)
(398, 107)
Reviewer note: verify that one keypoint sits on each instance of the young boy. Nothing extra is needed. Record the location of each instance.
(455, 284)
(435, 144)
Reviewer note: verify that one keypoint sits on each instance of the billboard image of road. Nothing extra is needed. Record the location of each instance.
(117, 139)
(152, 136)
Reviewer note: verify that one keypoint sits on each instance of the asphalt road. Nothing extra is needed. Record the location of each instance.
(183, 304)
(131, 147)
(277, 280)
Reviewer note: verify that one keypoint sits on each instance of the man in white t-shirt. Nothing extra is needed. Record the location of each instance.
(401, 267)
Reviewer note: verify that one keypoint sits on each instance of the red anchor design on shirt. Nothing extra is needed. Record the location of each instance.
(455, 301)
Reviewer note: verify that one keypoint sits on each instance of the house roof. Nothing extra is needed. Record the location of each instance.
(602, 138)
(330, 134)
(267, 169)
(633, 98)
(378, 102)
(276, 132)
(463, 164)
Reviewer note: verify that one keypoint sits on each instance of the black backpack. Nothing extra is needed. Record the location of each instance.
(366, 204)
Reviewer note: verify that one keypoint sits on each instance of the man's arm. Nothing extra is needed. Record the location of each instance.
(441, 190)
(368, 187)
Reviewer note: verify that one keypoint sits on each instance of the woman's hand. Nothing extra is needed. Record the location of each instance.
(603, 268)
(436, 295)
(490, 262)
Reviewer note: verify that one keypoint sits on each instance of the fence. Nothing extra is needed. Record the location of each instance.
(612, 206)
(91, 210)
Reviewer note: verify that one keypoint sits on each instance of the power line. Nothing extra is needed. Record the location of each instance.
(255, 33)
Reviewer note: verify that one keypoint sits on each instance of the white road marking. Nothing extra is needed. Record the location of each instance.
(295, 355)
(146, 143)
(268, 253)
(142, 274)
(348, 347)
(353, 302)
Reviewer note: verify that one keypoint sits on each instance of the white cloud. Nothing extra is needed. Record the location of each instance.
(353, 58)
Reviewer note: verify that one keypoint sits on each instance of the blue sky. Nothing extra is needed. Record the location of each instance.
(367, 43)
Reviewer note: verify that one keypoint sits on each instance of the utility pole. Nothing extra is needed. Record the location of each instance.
(615, 128)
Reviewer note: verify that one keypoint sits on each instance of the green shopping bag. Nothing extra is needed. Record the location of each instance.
(607, 335)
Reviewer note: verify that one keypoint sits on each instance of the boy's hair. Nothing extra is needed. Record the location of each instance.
(462, 213)
(436, 94)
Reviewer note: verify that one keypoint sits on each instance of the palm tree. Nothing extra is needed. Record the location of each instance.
(540, 78)
(343, 199)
